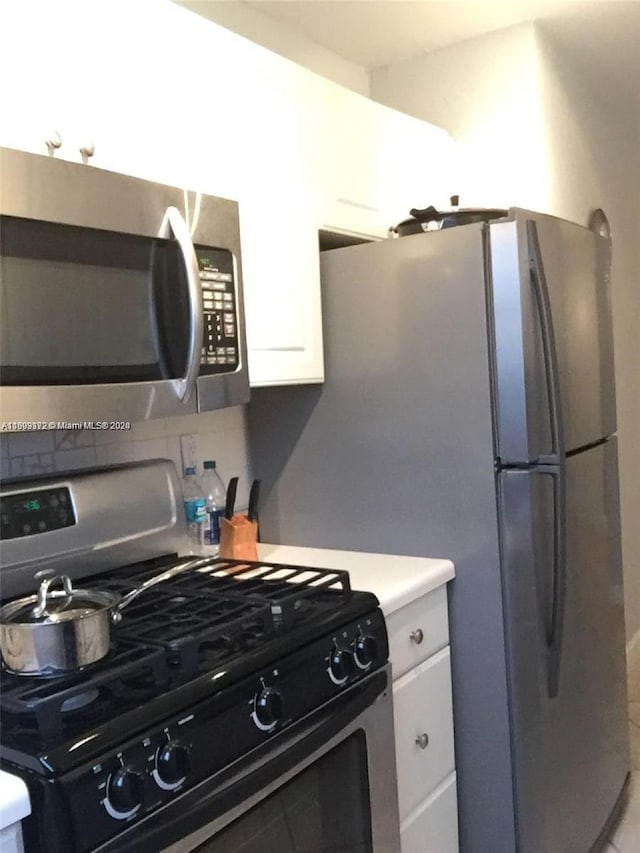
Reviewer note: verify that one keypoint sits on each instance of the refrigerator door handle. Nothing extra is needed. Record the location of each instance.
(543, 306)
(559, 579)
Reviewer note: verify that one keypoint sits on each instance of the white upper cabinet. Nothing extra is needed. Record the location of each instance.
(150, 93)
(163, 94)
(277, 227)
(373, 163)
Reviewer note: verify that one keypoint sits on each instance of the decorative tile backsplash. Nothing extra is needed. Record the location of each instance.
(219, 435)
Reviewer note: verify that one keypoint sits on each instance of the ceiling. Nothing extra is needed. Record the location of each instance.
(374, 33)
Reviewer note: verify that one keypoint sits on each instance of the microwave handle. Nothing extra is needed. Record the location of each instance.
(185, 385)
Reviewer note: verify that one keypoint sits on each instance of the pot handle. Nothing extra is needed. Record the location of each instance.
(47, 578)
(116, 613)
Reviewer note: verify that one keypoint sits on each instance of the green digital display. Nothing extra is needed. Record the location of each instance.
(32, 505)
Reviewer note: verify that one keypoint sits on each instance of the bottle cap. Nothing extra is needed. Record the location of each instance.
(209, 463)
(188, 471)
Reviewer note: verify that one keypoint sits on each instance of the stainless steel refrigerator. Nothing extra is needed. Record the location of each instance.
(469, 412)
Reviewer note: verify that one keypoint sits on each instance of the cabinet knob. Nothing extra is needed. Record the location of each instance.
(87, 151)
(53, 143)
(417, 636)
(423, 740)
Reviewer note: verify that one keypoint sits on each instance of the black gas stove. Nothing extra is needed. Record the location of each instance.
(205, 669)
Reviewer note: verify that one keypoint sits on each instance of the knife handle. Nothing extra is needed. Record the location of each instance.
(254, 496)
(231, 498)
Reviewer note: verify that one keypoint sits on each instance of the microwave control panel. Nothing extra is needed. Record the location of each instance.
(220, 346)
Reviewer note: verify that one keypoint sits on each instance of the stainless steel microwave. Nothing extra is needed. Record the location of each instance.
(120, 298)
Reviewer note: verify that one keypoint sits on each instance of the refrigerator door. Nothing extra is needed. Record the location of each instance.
(564, 626)
(553, 344)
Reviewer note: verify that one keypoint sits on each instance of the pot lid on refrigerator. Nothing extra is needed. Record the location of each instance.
(431, 219)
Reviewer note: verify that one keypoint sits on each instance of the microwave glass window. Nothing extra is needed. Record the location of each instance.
(324, 809)
(81, 305)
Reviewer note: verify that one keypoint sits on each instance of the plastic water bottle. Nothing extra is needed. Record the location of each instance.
(195, 509)
(215, 496)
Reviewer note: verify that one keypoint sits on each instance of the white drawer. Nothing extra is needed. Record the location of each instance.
(422, 706)
(417, 631)
(433, 827)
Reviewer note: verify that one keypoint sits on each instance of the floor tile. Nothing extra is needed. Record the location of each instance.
(627, 835)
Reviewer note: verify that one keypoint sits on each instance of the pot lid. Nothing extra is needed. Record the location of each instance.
(432, 219)
(54, 606)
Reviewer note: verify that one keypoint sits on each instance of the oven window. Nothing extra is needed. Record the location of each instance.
(325, 809)
(82, 305)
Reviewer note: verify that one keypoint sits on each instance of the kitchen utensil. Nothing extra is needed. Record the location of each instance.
(61, 630)
(231, 497)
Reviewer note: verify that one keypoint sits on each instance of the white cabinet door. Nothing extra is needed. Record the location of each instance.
(373, 163)
(278, 233)
(433, 827)
(155, 107)
(423, 722)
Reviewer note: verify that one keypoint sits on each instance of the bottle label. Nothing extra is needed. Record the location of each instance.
(195, 510)
(212, 530)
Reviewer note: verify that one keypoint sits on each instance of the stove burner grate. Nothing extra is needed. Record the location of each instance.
(48, 703)
(221, 615)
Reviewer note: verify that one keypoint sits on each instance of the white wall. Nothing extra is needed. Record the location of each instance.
(252, 23)
(484, 92)
(595, 140)
(535, 127)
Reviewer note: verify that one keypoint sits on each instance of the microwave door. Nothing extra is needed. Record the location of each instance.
(79, 315)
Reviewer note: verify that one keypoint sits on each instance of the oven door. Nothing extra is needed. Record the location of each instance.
(326, 784)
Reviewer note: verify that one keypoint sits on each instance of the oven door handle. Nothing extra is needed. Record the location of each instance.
(185, 384)
(216, 795)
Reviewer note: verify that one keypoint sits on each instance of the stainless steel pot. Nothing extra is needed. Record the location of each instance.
(57, 631)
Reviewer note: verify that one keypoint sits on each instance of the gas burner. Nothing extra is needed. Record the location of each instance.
(81, 700)
(48, 707)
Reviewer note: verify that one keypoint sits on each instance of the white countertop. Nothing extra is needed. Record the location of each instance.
(14, 799)
(395, 580)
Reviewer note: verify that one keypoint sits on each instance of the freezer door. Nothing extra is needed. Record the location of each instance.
(564, 627)
(552, 338)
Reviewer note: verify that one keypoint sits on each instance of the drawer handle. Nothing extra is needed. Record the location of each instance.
(417, 636)
(423, 740)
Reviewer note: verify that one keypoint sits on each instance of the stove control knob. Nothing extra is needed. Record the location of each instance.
(125, 792)
(366, 649)
(268, 709)
(340, 665)
(172, 765)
